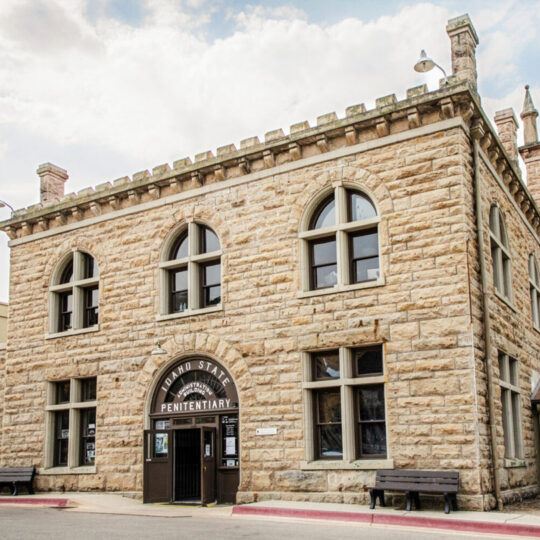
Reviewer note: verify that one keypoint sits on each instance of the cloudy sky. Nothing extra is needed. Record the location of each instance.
(106, 88)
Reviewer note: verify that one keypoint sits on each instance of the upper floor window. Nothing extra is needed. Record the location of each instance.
(74, 294)
(534, 281)
(500, 254)
(191, 271)
(340, 243)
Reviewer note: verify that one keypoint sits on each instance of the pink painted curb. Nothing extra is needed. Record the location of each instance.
(59, 503)
(387, 519)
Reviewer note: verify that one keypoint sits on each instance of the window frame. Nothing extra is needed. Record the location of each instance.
(74, 408)
(342, 232)
(500, 255)
(195, 262)
(348, 384)
(511, 406)
(534, 290)
(78, 287)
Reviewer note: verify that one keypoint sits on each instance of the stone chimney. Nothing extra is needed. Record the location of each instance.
(530, 151)
(52, 179)
(507, 129)
(463, 42)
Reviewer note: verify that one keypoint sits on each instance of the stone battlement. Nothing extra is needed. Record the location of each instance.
(389, 117)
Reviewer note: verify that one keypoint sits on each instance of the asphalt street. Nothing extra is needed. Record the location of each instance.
(18, 523)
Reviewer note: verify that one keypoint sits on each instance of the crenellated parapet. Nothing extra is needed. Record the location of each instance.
(358, 125)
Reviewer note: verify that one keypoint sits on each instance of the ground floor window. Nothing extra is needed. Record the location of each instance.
(71, 422)
(344, 396)
(511, 406)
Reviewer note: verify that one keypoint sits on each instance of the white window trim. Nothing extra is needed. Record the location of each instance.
(73, 406)
(346, 384)
(192, 262)
(534, 291)
(77, 286)
(340, 231)
(511, 413)
(501, 258)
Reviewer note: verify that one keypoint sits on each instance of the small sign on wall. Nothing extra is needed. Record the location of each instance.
(266, 431)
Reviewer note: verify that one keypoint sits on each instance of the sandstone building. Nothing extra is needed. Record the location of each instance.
(283, 319)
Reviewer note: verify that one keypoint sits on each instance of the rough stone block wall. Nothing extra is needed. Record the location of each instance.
(421, 314)
(512, 333)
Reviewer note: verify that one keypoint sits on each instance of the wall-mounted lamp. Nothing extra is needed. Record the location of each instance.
(158, 350)
(4, 203)
(427, 64)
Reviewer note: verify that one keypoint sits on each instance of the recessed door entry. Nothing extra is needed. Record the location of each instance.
(194, 465)
(192, 454)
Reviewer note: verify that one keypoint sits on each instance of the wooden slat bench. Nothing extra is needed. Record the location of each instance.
(15, 476)
(415, 482)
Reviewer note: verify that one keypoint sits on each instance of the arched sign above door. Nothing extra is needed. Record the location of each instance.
(195, 385)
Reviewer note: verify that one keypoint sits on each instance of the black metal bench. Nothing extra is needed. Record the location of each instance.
(415, 482)
(15, 476)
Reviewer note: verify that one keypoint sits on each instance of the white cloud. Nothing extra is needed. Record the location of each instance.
(153, 92)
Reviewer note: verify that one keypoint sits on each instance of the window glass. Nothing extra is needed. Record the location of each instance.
(180, 248)
(368, 361)
(67, 273)
(325, 215)
(372, 420)
(62, 392)
(91, 306)
(211, 284)
(90, 268)
(324, 269)
(209, 240)
(66, 310)
(87, 445)
(179, 292)
(360, 207)
(326, 365)
(329, 424)
(88, 389)
(61, 438)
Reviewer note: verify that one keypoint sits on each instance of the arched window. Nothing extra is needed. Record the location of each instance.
(500, 254)
(534, 280)
(191, 271)
(74, 294)
(340, 241)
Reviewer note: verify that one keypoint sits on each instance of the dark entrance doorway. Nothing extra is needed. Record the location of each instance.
(180, 465)
(192, 453)
(187, 469)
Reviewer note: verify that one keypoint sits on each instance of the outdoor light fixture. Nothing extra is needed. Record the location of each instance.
(4, 203)
(158, 350)
(427, 64)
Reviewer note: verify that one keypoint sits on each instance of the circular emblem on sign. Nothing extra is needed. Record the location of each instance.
(195, 390)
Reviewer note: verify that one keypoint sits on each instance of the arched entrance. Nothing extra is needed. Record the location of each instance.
(191, 452)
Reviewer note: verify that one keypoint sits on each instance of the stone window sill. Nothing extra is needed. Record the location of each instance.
(513, 463)
(189, 313)
(505, 300)
(360, 464)
(73, 332)
(342, 288)
(90, 469)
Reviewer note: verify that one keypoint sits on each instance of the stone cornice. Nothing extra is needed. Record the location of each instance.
(390, 116)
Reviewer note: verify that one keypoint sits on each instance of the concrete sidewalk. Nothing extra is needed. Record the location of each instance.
(520, 525)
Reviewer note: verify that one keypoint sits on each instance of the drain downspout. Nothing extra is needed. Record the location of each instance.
(477, 132)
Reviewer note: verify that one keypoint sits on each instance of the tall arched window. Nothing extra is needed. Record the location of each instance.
(340, 241)
(191, 271)
(534, 280)
(500, 254)
(74, 294)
